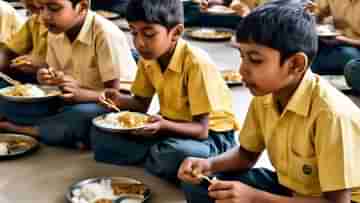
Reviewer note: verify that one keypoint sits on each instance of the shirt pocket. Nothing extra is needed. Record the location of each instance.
(304, 170)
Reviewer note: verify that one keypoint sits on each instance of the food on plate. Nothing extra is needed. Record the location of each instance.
(13, 145)
(123, 120)
(206, 33)
(220, 9)
(132, 120)
(231, 76)
(92, 193)
(326, 30)
(128, 188)
(24, 90)
(107, 14)
(20, 61)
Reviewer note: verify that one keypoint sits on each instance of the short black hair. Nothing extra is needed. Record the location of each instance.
(288, 28)
(167, 13)
(75, 2)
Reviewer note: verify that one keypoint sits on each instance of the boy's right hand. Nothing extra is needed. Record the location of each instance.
(27, 64)
(204, 5)
(190, 167)
(49, 76)
(312, 7)
(110, 94)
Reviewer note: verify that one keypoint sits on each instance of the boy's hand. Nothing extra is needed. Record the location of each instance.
(156, 123)
(240, 8)
(26, 64)
(191, 167)
(312, 7)
(231, 192)
(110, 94)
(49, 76)
(204, 5)
(72, 91)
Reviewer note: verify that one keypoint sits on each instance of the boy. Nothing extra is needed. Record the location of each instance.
(336, 52)
(86, 53)
(10, 21)
(195, 104)
(299, 118)
(28, 45)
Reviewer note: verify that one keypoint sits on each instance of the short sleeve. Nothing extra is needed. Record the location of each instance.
(142, 86)
(251, 137)
(114, 57)
(21, 41)
(337, 144)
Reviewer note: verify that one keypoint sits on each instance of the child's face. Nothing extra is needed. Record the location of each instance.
(262, 71)
(59, 15)
(32, 5)
(152, 40)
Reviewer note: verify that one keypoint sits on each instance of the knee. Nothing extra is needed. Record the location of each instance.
(352, 73)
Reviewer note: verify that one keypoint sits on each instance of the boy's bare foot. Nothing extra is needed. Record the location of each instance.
(8, 126)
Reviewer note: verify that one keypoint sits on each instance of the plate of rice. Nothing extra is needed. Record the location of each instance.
(29, 93)
(124, 121)
(209, 34)
(108, 190)
(15, 145)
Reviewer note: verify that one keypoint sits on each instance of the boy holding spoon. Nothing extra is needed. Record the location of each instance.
(86, 53)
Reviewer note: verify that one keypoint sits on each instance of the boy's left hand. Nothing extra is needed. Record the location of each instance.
(241, 8)
(27, 64)
(156, 123)
(231, 192)
(71, 88)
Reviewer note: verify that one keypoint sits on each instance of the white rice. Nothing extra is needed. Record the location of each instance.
(4, 148)
(34, 91)
(110, 121)
(92, 192)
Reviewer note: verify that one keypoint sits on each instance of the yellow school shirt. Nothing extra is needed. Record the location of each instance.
(30, 39)
(99, 54)
(189, 86)
(10, 21)
(344, 11)
(314, 143)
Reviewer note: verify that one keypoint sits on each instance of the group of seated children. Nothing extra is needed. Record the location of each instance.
(295, 115)
(336, 52)
(84, 53)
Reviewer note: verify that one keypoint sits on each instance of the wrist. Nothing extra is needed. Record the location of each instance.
(212, 165)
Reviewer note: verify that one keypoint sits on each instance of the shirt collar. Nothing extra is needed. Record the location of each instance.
(301, 99)
(175, 60)
(85, 34)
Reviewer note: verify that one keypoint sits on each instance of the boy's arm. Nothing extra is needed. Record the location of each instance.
(236, 159)
(341, 196)
(197, 129)
(6, 55)
(237, 192)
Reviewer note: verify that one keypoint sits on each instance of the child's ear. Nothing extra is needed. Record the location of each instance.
(177, 31)
(82, 7)
(298, 63)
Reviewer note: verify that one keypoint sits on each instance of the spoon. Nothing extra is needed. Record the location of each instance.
(9, 79)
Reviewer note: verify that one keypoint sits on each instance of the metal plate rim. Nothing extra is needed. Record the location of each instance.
(192, 29)
(33, 148)
(113, 130)
(30, 99)
(82, 182)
